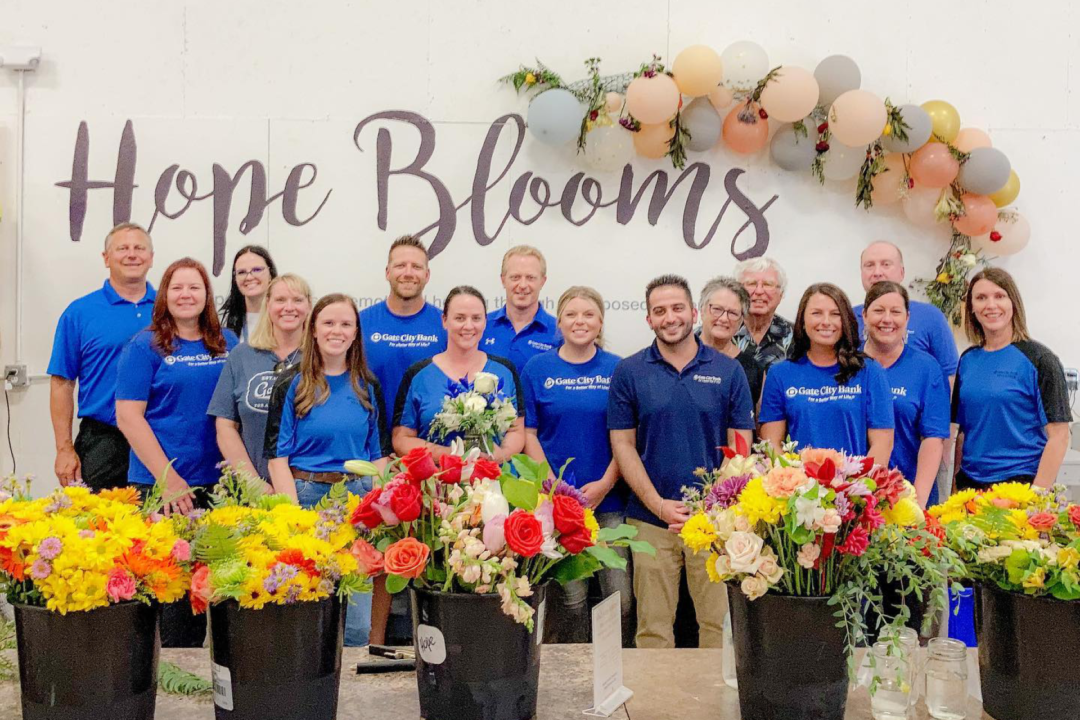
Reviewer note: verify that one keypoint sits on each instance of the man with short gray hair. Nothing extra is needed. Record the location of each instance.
(764, 333)
(86, 350)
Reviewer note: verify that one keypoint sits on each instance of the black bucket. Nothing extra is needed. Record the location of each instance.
(1029, 652)
(473, 662)
(892, 600)
(280, 662)
(789, 657)
(89, 665)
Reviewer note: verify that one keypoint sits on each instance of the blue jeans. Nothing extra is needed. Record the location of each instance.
(358, 611)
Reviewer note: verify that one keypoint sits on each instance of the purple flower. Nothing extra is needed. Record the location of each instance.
(857, 489)
(726, 493)
(86, 534)
(279, 575)
(50, 547)
(194, 515)
(40, 569)
(561, 487)
(59, 502)
(843, 505)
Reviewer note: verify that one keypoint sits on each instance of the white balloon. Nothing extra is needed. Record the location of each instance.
(609, 148)
(843, 162)
(745, 63)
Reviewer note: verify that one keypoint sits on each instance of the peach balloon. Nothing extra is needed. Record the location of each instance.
(1009, 236)
(933, 166)
(857, 117)
(970, 138)
(979, 215)
(652, 100)
(919, 206)
(720, 97)
(1007, 194)
(697, 70)
(944, 119)
(791, 95)
(889, 184)
(613, 102)
(745, 137)
(651, 141)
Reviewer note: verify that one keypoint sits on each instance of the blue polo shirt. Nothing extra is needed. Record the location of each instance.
(338, 429)
(567, 405)
(424, 388)
(820, 412)
(929, 331)
(681, 418)
(177, 389)
(90, 336)
(539, 336)
(394, 343)
(1002, 401)
(920, 409)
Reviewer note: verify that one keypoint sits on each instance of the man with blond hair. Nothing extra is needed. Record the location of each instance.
(521, 328)
(86, 351)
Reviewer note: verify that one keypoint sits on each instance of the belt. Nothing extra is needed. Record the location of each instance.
(322, 477)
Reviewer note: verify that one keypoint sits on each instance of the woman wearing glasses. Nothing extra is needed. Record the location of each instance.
(724, 304)
(252, 271)
(242, 396)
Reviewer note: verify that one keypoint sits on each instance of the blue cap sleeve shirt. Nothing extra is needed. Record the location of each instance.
(177, 389)
(928, 331)
(1002, 402)
(681, 418)
(539, 336)
(423, 389)
(338, 429)
(243, 396)
(90, 336)
(394, 343)
(820, 412)
(920, 408)
(567, 405)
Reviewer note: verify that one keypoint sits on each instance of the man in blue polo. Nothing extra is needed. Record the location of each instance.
(671, 407)
(521, 328)
(86, 350)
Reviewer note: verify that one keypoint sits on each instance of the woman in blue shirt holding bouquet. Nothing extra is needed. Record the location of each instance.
(428, 382)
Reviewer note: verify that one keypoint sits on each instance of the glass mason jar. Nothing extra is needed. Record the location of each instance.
(946, 679)
(890, 690)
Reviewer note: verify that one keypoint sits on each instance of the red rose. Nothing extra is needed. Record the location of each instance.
(485, 469)
(1043, 521)
(524, 534)
(406, 502)
(1074, 515)
(420, 463)
(568, 513)
(577, 541)
(365, 514)
(450, 469)
(407, 557)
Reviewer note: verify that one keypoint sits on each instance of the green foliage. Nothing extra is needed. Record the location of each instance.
(238, 488)
(542, 78)
(622, 532)
(350, 584)
(7, 642)
(677, 143)
(607, 556)
(396, 583)
(872, 166)
(215, 543)
(574, 567)
(175, 681)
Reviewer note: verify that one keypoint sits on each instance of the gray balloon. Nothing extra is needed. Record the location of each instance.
(985, 172)
(836, 75)
(792, 152)
(555, 116)
(703, 123)
(918, 131)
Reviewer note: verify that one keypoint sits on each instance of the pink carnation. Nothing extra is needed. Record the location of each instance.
(181, 551)
(121, 585)
(783, 482)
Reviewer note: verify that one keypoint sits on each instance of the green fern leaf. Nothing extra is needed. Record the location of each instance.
(175, 681)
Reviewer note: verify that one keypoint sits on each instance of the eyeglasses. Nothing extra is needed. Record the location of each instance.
(762, 284)
(718, 312)
(253, 272)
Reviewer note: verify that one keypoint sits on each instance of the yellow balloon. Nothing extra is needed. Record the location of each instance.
(944, 119)
(1007, 194)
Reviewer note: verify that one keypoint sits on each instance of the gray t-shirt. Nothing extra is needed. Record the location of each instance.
(243, 395)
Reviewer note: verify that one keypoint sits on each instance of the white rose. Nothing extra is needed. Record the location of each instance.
(754, 586)
(742, 524)
(770, 570)
(475, 404)
(451, 421)
(744, 549)
(969, 259)
(485, 383)
(724, 522)
(494, 504)
(723, 567)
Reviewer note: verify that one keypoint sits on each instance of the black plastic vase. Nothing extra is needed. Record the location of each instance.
(790, 657)
(473, 662)
(1029, 653)
(88, 665)
(892, 600)
(278, 663)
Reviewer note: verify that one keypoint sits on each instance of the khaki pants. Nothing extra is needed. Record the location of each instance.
(656, 588)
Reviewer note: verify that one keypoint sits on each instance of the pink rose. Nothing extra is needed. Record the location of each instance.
(181, 551)
(808, 555)
(1043, 521)
(831, 522)
(367, 557)
(121, 585)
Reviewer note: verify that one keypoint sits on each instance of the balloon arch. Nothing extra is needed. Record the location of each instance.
(827, 126)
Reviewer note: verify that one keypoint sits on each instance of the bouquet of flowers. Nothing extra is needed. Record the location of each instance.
(815, 523)
(1020, 538)
(477, 410)
(258, 548)
(467, 525)
(74, 550)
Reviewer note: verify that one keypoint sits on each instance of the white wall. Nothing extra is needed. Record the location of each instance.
(287, 83)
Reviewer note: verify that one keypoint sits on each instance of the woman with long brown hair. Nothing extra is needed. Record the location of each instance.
(829, 394)
(1010, 400)
(165, 379)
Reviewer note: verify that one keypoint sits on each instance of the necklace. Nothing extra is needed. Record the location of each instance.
(287, 362)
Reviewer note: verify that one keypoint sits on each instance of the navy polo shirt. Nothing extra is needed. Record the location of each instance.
(539, 336)
(928, 330)
(681, 418)
(90, 336)
(1002, 401)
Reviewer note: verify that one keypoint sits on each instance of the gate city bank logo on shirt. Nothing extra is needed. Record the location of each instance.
(405, 339)
(539, 345)
(583, 382)
(195, 360)
(259, 387)
(709, 379)
(826, 393)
